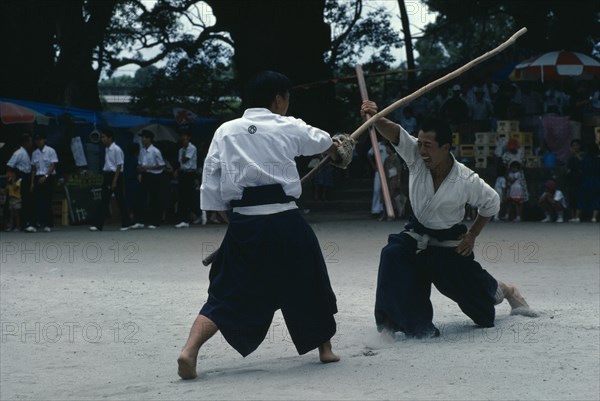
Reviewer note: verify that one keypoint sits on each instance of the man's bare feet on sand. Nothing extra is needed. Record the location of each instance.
(326, 355)
(187, 366)
(518, 305)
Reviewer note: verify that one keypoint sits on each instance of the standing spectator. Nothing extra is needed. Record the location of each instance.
(408, 121)
(455, 109)
(393, 172)
(188, 163)
(376, 201)
(14, 202)
(323, 179)
(517, 191)
(43, 171)
(114, 160)
(481, 111)
(150, 167)
(573, 178)
(589, 195)
(20, 165)
(500, 188)
(553, 202)
(554, 100)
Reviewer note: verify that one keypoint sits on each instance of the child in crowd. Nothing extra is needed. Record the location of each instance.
(517, 191)
(552, 202)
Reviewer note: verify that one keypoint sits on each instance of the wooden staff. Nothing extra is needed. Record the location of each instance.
(378, 162)
(420, 92)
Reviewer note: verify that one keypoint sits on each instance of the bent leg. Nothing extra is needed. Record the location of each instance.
(202, 329)
(403, 289)
(463, 280)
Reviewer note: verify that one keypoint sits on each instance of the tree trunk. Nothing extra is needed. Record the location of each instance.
(286, 36)
(408, 45)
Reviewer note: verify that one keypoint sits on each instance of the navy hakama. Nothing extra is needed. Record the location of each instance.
(404, 286)
(265, 263)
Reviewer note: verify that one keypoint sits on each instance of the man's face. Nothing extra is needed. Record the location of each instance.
(185, 140)
(40, 143)
(104, 139)
(146, 141)
(430, 151)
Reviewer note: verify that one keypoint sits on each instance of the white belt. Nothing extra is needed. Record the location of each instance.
(423, 241)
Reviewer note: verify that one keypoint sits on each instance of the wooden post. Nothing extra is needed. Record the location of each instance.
(384, 187)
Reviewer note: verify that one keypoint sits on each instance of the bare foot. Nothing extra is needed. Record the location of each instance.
(187, 366)
(514, 297)
(326, 355)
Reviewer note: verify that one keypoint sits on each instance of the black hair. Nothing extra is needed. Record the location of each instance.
(25, 138)
(264, 87)
(108, 133)
(443, 133)
(576, 141)
(147, 134)
(515, 163)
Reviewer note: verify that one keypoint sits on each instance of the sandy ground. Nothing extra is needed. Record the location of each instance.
(104, 315)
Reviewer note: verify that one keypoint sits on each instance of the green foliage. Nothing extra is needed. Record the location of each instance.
(203, 84)
(354, 31)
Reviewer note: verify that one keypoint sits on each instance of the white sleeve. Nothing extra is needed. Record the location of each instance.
(53, 158)
(12, 162)
(482, 196)
(311, 140)
(210, 190)
(158, 158)
(407, 146)
(119, 158)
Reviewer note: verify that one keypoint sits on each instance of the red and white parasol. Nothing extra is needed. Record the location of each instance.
(557, 65)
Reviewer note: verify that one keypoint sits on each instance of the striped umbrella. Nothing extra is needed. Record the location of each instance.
(557, 65)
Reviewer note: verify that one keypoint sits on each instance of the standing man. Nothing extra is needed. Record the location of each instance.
(188, 161)
(20, 164)
(150, 167)
(43, 171)
(270, 258)
(114, 160)
(435, 247)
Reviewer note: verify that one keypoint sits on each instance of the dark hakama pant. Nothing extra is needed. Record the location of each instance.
(404, 286)
(265, 263)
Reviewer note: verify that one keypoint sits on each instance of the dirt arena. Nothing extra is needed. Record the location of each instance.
(88, 316)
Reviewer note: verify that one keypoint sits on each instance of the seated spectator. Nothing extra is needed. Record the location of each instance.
(517, 191)
(553, 202)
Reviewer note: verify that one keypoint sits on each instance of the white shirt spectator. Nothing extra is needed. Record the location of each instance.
(42, 159)
(20, 160)
(192, 154)
(151, 156)
(258, 149)
(113, 157)
(445, 207)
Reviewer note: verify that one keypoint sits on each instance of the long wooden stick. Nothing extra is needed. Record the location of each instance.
(375, 143)
(420, 92)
